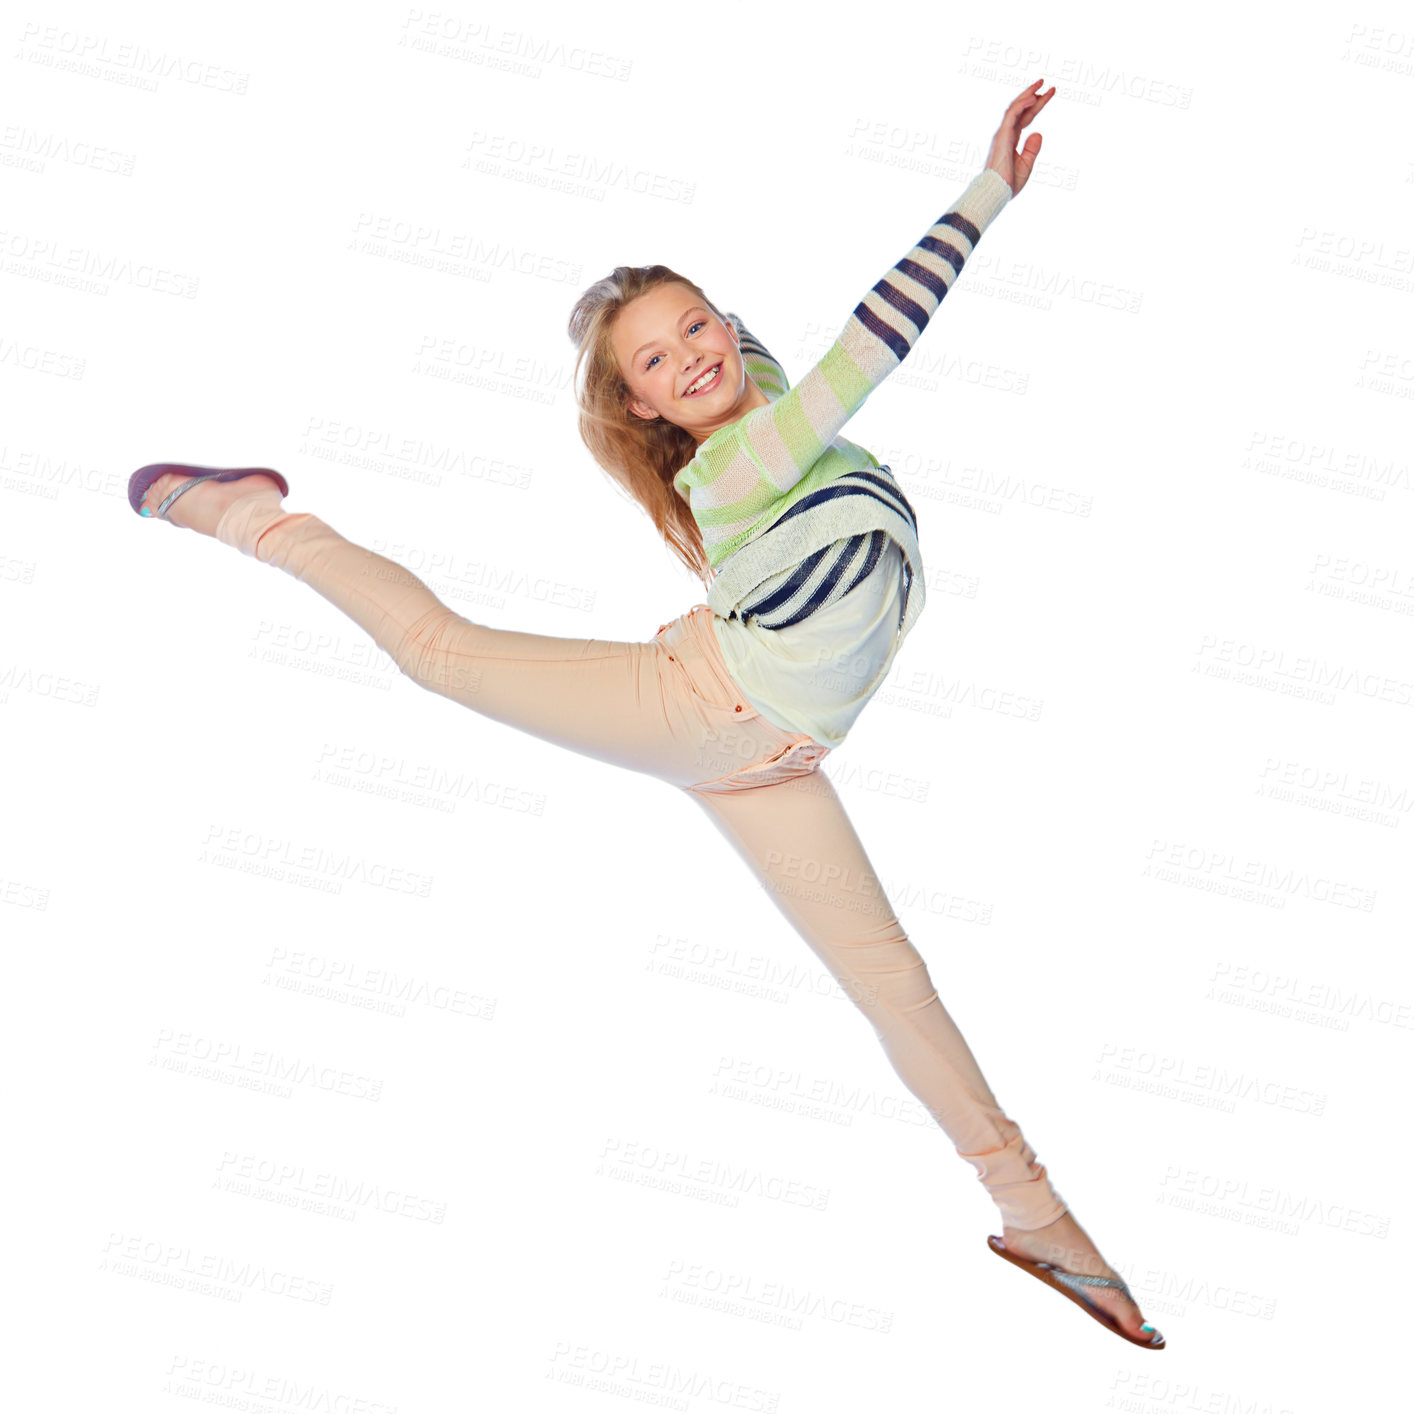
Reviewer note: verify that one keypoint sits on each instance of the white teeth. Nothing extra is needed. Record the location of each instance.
(710, 376)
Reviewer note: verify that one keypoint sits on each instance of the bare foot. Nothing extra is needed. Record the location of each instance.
(202, 507)
(1065, 1244)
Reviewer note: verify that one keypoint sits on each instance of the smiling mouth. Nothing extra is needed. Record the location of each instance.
(709, 384)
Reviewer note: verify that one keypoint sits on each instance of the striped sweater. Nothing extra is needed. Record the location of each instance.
(781, 498)
(800, 590)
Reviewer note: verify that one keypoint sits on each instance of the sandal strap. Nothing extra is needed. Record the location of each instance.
(1065, 1276)
(186, 486)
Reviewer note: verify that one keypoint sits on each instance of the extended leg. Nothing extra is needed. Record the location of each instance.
(800, 843)
(626, 703)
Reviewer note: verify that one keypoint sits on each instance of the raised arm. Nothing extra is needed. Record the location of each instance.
(765, 454)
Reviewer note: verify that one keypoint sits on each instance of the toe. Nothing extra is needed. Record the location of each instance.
(155, 494)
(1124, 1310)
(160, 490)
(1134, 1324)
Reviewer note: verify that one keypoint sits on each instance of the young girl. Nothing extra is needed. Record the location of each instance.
(811, 551)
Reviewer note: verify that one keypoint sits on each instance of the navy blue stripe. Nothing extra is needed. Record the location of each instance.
(906, 306)
(877, 542)
(872, 544)
(960, 223)
(944, 250)
(930, 281)
(892, 488)
(934, 283)
(824, 592)
(885, 333)
(791, 587)
(837, 488)
(877, 482)
(819, 596)
(787, 591)
(847, 485)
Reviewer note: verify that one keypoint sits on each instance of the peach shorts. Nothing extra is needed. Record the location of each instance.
(670, 709)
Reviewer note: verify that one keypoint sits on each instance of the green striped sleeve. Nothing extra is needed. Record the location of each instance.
(742, 474)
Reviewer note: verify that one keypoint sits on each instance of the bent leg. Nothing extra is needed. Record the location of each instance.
(801, 845)
(628, 704)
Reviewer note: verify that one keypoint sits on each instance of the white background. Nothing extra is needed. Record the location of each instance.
(1139, 784)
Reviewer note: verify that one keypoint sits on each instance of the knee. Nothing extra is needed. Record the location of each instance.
(884, 975)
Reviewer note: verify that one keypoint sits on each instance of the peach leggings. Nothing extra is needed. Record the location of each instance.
(669, 708)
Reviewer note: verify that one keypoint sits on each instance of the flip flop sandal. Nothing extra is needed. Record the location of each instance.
(1061, 1280)
(141, 481)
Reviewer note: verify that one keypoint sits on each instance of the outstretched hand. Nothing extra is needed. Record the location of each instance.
(1012, 166)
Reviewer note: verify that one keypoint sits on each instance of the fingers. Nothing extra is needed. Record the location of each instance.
(1020, 113)
(1037, 105)
(1027, 104)
(1030, 92)
(1020, 103)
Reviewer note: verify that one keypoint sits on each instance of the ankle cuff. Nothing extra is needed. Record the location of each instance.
(1018, 1184)
(248, 517)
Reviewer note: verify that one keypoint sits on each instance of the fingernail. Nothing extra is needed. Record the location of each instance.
(144, 511)
(1146, 1328)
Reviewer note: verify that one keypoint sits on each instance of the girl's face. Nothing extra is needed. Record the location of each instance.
(665, 341)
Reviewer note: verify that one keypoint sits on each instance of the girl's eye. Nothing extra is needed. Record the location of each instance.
(696, 324)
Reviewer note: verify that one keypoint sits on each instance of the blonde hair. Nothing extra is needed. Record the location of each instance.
(641, 456)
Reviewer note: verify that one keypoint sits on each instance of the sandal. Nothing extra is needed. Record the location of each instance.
(1060, 1280)
(140, 482)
